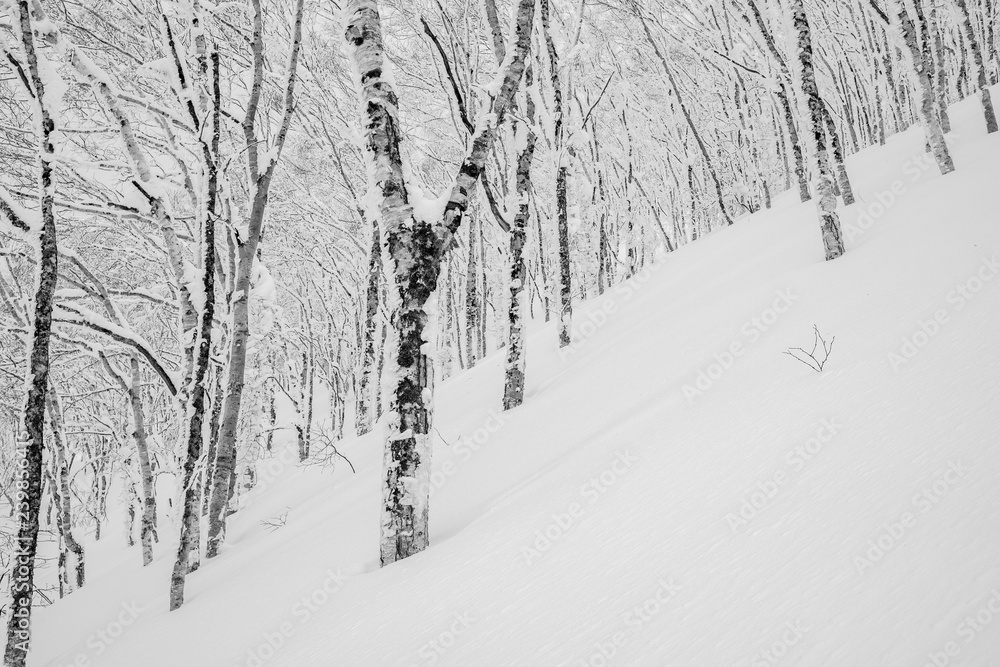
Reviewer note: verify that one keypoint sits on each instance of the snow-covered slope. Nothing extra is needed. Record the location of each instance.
(675, 490)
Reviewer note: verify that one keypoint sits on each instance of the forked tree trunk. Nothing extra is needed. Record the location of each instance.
(261, 175)
(415, 250)
(833, 243)
(412, 247)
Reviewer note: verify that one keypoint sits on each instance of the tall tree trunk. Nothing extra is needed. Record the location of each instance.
(833, 243)
(61, 490)
(225, 460)
(843, 180)
(941, 72)
(449, 324)
(783, 98)
(801, 174)
(923, 87)
(562, 206)
(702, 148)
(189, 545)
(306, 410)
(214, 424)
(147, 530)
(416, 249)
(977, 59)
(542, 270)
(412, 247)
(514, 380)
(31, 442)
(472, 295)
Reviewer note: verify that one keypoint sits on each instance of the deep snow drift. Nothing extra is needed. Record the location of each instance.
(675, 491)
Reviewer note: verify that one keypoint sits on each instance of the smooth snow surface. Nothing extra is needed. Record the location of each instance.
(781, 516)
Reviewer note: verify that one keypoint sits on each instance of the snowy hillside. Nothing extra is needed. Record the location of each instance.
(674, 491)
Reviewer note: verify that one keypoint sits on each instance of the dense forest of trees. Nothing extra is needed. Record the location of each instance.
(226, 227)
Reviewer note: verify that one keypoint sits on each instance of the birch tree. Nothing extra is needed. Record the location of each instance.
(44, 87)
(833, 242)
(415, 249)
(976, 52)
(260, 174)
(922, 85)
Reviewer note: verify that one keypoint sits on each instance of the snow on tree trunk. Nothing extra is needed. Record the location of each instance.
(977, 58)
(833, 242)
(415, 249)
(923, 86)
(261, 177)
(188, 549)
(412, 251)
